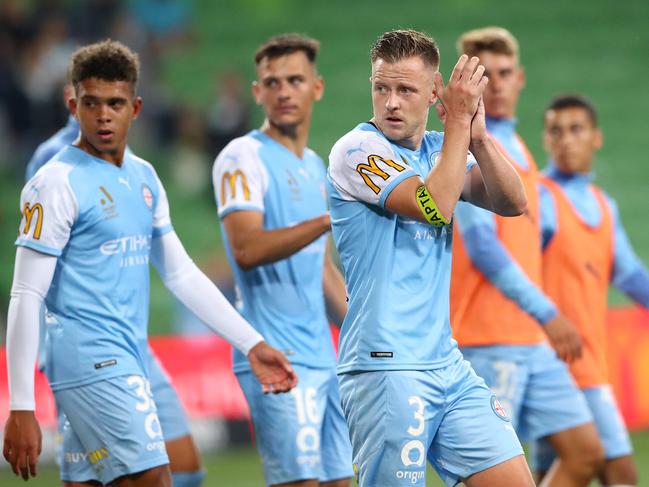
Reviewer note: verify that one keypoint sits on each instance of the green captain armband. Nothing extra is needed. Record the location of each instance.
(429, 208)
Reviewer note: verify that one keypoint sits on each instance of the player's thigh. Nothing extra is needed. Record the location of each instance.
(476, 433)
(336, 447)
(288, 426)
(157, 476)
(117, 425)
(511, 472)
(553, 402)
(503, 373)
(608, 421)
(392, 418)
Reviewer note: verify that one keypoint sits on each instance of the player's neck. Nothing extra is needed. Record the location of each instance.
(294, 138)
(115, 157)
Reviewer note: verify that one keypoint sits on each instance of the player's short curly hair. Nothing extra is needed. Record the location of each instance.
(107, 60)
(395, 45)
(573, 100)
(491, 39)
(284, 44)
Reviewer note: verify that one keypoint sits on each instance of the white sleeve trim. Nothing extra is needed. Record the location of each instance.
(239, 177)
(33, 275)
(196, 291)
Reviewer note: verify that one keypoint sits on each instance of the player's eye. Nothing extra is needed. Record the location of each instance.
(296, 80)
(270, 83)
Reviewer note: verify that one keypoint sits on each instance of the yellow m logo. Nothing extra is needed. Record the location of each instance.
(372, 168)
(230, 179)
(28, 214)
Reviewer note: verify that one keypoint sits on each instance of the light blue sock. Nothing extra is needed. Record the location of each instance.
(188, 479)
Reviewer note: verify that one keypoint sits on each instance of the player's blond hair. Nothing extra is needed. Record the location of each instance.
(396, 45)
(491, 39)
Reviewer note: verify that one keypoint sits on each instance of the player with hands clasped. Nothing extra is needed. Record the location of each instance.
(406, 391)
(91, 220)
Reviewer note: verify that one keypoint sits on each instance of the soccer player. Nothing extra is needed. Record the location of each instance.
(92, 218)
(184, 459)
(585, 248)
(501, 318)
(407, 393)
(269, 189)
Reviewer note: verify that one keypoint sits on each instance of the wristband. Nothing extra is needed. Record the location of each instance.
(429, 208)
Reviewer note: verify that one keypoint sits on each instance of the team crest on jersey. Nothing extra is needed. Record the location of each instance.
(499, 409)
(433, 158)
(148, 196)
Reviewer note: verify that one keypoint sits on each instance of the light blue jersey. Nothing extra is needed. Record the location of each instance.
(98, 219)
(397, 270)
(283, 300)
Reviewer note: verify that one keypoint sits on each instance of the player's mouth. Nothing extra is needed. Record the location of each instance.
(105, 135)
(283, 109)
(394, 120)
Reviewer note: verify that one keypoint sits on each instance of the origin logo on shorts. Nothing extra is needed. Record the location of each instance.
(499, 409)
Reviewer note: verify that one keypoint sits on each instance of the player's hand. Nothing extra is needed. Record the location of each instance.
(564, 338)
(460, 97)
(272, 369)
(22, 443)
(479, 125)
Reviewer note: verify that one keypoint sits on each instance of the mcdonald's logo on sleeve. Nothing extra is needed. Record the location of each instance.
(229, 182)
(29, 211)
(372, 168)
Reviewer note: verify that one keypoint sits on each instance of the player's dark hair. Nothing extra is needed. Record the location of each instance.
(490, 39)
(107, 60)
(395, 45)
(284, 44)
(573, 100)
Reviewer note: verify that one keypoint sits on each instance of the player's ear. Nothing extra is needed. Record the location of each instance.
(598, 142)
(72, 106)
(256, 92)
(137, 107)
(521, 77)
(319, 88)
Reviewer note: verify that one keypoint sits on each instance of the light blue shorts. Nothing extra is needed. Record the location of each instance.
(533, 385)
(302, 434)
(610, 426)
(111, 425)
(399, 418)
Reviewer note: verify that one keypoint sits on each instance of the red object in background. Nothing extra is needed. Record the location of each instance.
(201, 370)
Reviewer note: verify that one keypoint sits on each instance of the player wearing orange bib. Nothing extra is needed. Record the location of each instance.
(585, 248)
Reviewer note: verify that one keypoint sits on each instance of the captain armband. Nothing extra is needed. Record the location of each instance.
(429, 208)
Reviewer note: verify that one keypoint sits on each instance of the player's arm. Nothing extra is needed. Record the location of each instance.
(49, 209)
(240, 182)
(494, 261)
(333, 285)
(441, 189)
(33, 273)
(629, 274)
(252, 245)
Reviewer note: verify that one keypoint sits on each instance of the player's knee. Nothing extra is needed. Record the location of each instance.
(188, 479)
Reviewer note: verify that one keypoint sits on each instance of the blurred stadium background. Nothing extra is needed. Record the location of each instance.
(197, 68)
